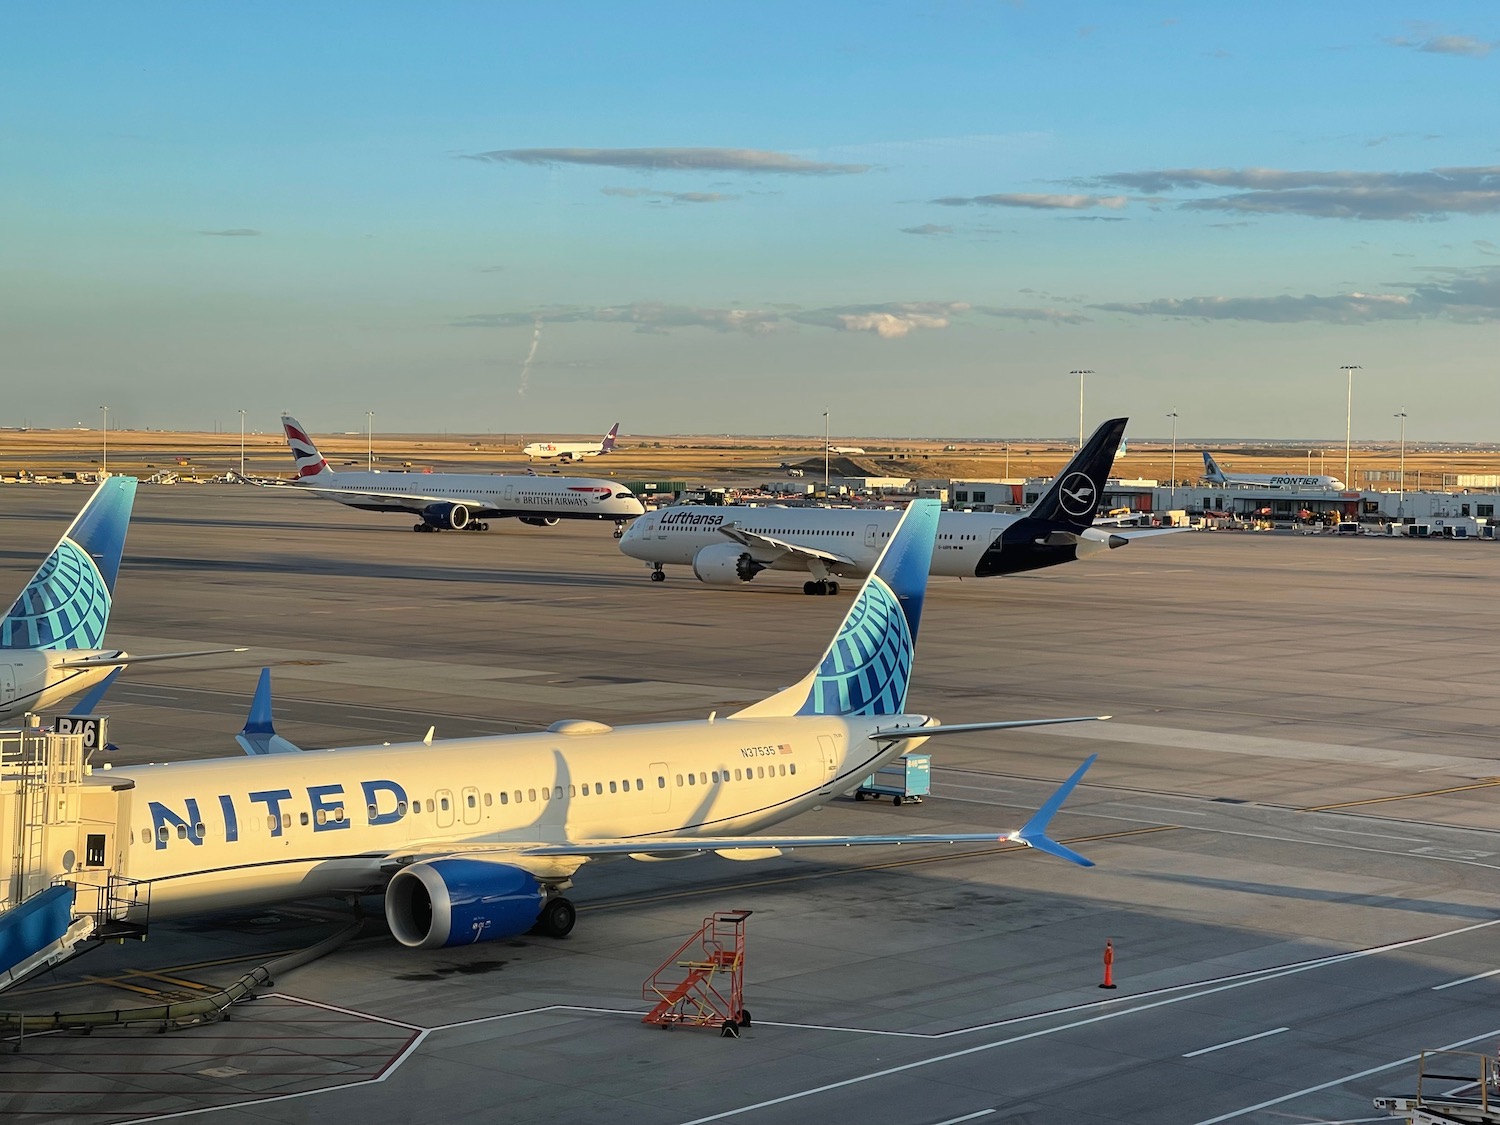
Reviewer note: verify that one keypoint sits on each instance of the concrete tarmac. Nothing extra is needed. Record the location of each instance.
(1293, 815)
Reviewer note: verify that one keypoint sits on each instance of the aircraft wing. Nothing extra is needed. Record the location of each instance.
(124, 658)
(1148, 532)
(572, 854)
(392, 498)
(757, 539)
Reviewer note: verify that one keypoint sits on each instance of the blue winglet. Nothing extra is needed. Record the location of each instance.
(1034, 832)
(258, 736)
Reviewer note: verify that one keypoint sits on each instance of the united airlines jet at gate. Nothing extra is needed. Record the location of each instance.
(726, 545)
(566, 451)
(1215, 475)
(52, 639)
(478, 839)
(460, 501)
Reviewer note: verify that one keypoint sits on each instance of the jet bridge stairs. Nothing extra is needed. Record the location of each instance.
(60, 850)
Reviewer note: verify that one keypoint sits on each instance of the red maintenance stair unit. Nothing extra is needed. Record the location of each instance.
(703, 983)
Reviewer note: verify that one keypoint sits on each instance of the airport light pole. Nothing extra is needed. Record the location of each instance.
(242, 443)
(1351, 368)
(826, 432)
(1080, 375)
(104, 468)
(1173, 416)
(1007, 460)
(1401, 472)
(369, 441)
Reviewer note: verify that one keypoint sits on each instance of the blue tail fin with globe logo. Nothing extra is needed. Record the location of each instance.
(866, 669)
(66, 604)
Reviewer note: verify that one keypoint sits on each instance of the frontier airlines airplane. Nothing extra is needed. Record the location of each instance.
(477, 839)
(460, 501)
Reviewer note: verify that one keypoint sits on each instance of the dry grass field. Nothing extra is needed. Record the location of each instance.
(705, 459)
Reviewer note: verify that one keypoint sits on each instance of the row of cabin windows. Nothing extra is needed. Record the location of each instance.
(555, 793)
(748, 773)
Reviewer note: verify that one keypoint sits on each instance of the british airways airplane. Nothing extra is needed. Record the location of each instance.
(52, 638)
(478, 839)
(461, 501)
(727, 545)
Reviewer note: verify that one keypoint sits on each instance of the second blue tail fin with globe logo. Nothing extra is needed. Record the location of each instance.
(66, 604)
(868, 665)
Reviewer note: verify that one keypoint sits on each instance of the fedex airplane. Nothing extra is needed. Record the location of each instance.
(1215, 475)
(478, 839)
(52, 639)
(566, 451)
(726, 545)
(461, 501)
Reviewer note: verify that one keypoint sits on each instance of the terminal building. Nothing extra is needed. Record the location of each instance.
(1469, 502)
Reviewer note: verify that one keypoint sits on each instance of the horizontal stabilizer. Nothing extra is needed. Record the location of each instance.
(121, 659)
(974, 728)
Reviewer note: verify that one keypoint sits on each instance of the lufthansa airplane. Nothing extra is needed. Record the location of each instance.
(1215, 475)
(726, 545)
(461, 501)
(566, 451)
(52, 639)
(478, 839)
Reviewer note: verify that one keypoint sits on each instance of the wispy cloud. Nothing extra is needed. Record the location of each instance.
(673, 160)
(1328, 194)
(1034, 201)
(890, 321)
(1464, 45)
(1048, 315)
(927, 228)
(236, 232)
(668, 196)
(644, 316)
(1469, 295)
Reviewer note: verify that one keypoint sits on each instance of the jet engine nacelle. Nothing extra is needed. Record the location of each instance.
(541, 521)
(1096, 541)
(455, 517)
(444, 902)
(724, 564)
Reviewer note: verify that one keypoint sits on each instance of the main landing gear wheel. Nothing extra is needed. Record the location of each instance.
(820, 588)
(556, 919)
(477, 527)
(423, 527)
(658, 575)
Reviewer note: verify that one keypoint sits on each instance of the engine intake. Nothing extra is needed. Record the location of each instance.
(454, 517)
(445, 902)
(724, 564)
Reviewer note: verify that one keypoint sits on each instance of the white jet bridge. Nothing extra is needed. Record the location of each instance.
(61, 851)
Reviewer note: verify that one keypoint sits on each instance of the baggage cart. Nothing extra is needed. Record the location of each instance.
(908, 778)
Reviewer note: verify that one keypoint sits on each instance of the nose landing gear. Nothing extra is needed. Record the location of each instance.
(657, 573)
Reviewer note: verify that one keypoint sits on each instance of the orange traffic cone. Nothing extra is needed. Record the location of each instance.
(1109, 964)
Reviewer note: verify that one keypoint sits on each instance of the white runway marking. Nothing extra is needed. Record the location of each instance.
(921, 1064)
(1465, 980)
(967, 1117)
(1376, 835)
(1153, 808)
(1235, 1042)
(1340, 1081)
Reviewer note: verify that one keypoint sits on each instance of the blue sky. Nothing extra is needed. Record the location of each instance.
(716, 218)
